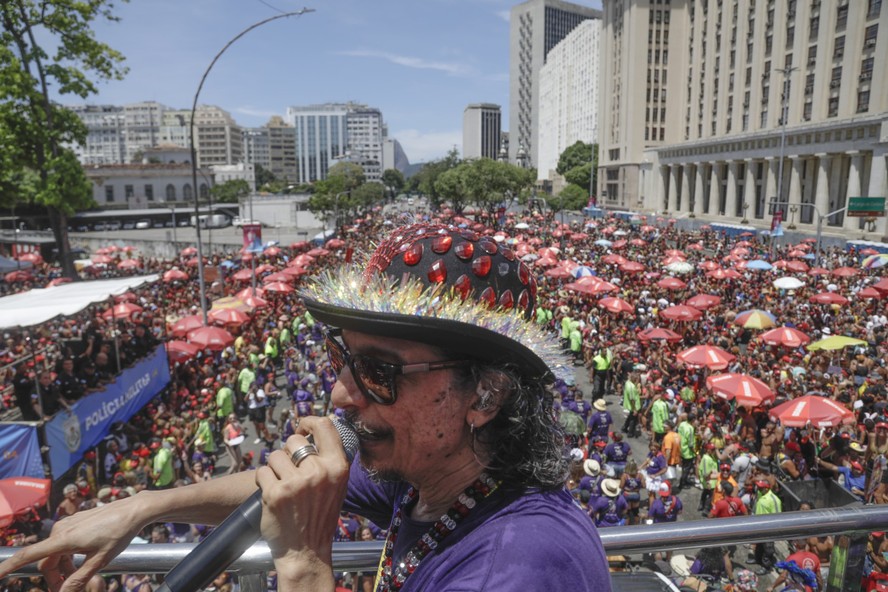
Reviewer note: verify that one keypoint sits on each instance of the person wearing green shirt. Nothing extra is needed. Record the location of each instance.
(707, 472)
(576, 342)
(632, 404)
(224, 402)
(286, 337)
(565, 327)
(162, 465)
(688, 436)
(766, 503)
(204, 431)
(687, 394)
(245, 378)
(659, 414)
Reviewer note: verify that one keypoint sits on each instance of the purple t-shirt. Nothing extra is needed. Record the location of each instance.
(510, 541)
(608, 511)
(658, 463)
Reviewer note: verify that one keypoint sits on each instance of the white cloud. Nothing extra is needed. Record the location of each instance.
(254, 112)
(423, 146)
(503, 14)
(452, 68)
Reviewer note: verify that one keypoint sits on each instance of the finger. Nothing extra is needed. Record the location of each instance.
(77, 581)
(49, 567)
(30, 554)
(294, 443)
(326, 436)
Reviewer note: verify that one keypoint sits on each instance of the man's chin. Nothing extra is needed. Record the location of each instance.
(375, 470)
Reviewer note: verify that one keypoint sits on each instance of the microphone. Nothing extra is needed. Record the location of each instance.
(235, 535)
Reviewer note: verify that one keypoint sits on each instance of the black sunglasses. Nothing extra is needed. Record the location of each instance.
(376, 378)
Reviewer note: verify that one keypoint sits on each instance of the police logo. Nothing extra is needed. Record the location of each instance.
(71, 429)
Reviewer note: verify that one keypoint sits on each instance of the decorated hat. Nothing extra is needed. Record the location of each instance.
(448, 287)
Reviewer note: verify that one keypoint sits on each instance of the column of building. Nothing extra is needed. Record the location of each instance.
(731, 190)
(684, 198)
(749, 188)
(853, 187)
(698, 190)
(878, 187)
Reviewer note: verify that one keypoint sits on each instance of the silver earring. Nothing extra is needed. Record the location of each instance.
(472, 428)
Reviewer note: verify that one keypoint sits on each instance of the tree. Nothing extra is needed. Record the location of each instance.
(348, 174)
(578, 163)
(264, 177)
(230, 191)
(572, 197)
(321, 204)
(451, 186)
(37, 129)
(426, 179)
(489, 183)
(393, 179)
(367, 195)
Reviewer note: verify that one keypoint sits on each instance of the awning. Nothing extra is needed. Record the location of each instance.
(38, 306)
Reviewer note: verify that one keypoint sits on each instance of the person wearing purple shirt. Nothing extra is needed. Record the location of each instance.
(616, 454)
(444, 378)
(666, 507)
(599, 422)
(609, 509)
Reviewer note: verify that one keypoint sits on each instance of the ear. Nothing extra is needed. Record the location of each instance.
(486, 404)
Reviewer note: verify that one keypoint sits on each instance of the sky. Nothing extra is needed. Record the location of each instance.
(419, 61)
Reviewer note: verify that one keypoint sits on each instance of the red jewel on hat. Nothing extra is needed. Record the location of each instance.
(523, 273)
(508, 254)
(507, 300)
(413, 254)
(465, 251)
(488, 296)
(523, 299)
(437, 272)
(488, 245)
(481, 266)
(442, 244)
(469, 235)
(463, 285)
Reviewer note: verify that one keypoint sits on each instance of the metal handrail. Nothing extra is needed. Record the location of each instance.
(364, 556)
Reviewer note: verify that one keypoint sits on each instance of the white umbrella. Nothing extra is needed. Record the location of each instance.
(620, 233)
(680, 267)
(603, 243)
(788, 283)
(530, 257)
(522, 226)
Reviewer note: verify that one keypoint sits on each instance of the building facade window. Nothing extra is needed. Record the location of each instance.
(170, 192)
(109, 193)
(869, 38)
(204, 191)
(833, 107)
(187, 192)
(149, 191)
(839, 50)
(128, 191)
(873, 8)
(863, 101)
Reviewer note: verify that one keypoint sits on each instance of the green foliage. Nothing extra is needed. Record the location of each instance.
(230, 191)
(347, 175)
(578, 163)
(572, 197)
(450, 185)
(394, 180)
(367, 195)
(264, 177)
(36, 166)
(426, 180)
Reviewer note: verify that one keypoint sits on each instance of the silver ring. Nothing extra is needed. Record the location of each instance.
(302, 452)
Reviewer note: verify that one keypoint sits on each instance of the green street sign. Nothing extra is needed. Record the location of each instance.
(865, 207)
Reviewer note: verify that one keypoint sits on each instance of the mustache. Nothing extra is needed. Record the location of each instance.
(361, 428)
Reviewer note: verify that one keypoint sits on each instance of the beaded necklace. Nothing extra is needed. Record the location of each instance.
(391, 579)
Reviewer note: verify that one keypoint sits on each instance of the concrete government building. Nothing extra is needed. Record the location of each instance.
(695, 95)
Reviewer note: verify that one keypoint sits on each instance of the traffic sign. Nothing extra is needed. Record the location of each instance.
(865, 207)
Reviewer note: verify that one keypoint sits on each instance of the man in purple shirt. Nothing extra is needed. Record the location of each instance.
(444, 376)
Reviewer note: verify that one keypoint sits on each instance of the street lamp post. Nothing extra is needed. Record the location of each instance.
(745, 207)
(792, 212)
(783, 116)
(200, 268)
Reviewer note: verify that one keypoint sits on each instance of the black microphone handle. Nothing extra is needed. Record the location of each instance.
(219, 550)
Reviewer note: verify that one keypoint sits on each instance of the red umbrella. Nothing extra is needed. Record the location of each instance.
(638, 242)
(18, 276)
(175, 275)
(300, 245)
(869, 251)
(335, 243)
(124, 310)
(193, 262)
(256, 301)
(101, 259)
(828, 298)
(293, 272)
(302, 260)
(19, 494)
(818, 271)
(674, 253)
(672, 283)
(129, 264)
(620, 244)
(632, 267)
(845, 272)
(126, 297)
(228, 316)
(659, 334)
(812, 409)
(703, 301)
(708, 356)
(586, 285)
(881, 285)
(869, 293)
(746, 390)
(673, 259)
(264, 268)
(695, 247)
(616, 305)
(785, 336)
(318, 252)
(681, 313)
(181, 351)
(272, 252)
(558, 273)
(277, 277)
(188, 252)
(247, 292)
(214, 338)
(185, 325)
(614, 259)
(280, 287)
(34, 258)
(797, 266)
(546, 262)
(244, 275)
(724, 274)
(709, 265)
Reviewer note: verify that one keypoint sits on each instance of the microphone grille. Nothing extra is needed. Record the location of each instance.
(349, 437)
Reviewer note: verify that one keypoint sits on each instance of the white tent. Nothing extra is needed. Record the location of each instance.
(38, 306)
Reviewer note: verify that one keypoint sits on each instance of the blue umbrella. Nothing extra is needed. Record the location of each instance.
(759, 265)
(582, 271)
(604, 243)
(228, 264)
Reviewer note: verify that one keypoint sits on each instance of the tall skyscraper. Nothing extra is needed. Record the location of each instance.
(535, 27)
(777, 100)
(482, 125)
(365, 132)
(569, 96)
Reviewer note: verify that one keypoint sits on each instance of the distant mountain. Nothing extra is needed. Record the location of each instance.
(412, 169)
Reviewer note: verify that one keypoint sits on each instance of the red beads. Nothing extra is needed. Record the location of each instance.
(481, 266)
(523, 300)
(463, 285)
(438, 272)
(413, 254)
(523, 273)
(442, 244)
(488, 245)
(465, 251)
(488, 296)
(506, 300)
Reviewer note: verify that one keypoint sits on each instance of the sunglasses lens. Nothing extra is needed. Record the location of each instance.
(335, 354)
(374, 378)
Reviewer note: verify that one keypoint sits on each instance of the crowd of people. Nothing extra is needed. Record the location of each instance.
(732, 451)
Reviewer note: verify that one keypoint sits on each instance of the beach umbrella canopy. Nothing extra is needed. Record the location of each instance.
(244, 275)
(706, 356)
(277, 277)
(230, 302)
(671, 283)
(264, 268)
(834, 342)
(788, 283)
(709, 266)
(181, 351)
(881, 285)
(759, 265)
(755, 319)
(293, 272)
(869, 293)
(228, 316)
(246, 292)
(674, 253)
(129, 264)
(620, 244)
(175, 275)
(679, 267)
(785, 336)
(797, 266)
(34, 258)
(582, 270)
(681, 313)
(616, 305)
(19, 494)
(659, 334)
(592, 288)
(875, 260)
(557, 272)
(818, 271)
(124, 310)
(811, 410)
(828, 298)
(279, 287)
(186, 325)
(745, 390)
(723, 274)
(101, 259)
(703, 301)
(845, 272)
(614, 259)
(214, 338)
(335, 243)
(632, 267)
(126, 297)
(255, 301)
(318, 252)
(188, 252)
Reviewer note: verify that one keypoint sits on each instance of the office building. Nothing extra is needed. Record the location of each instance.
(219, 139)
(568, 96)
(281, 149)
(365, 131)
(257, 147)
(105, 140)
(714, 109)
(535, 27)
(482, 125)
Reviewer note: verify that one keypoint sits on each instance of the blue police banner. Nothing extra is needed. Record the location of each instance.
(20, 448)
(69, 435)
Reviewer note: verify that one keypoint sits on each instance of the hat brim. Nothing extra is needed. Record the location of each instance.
(471, 340)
